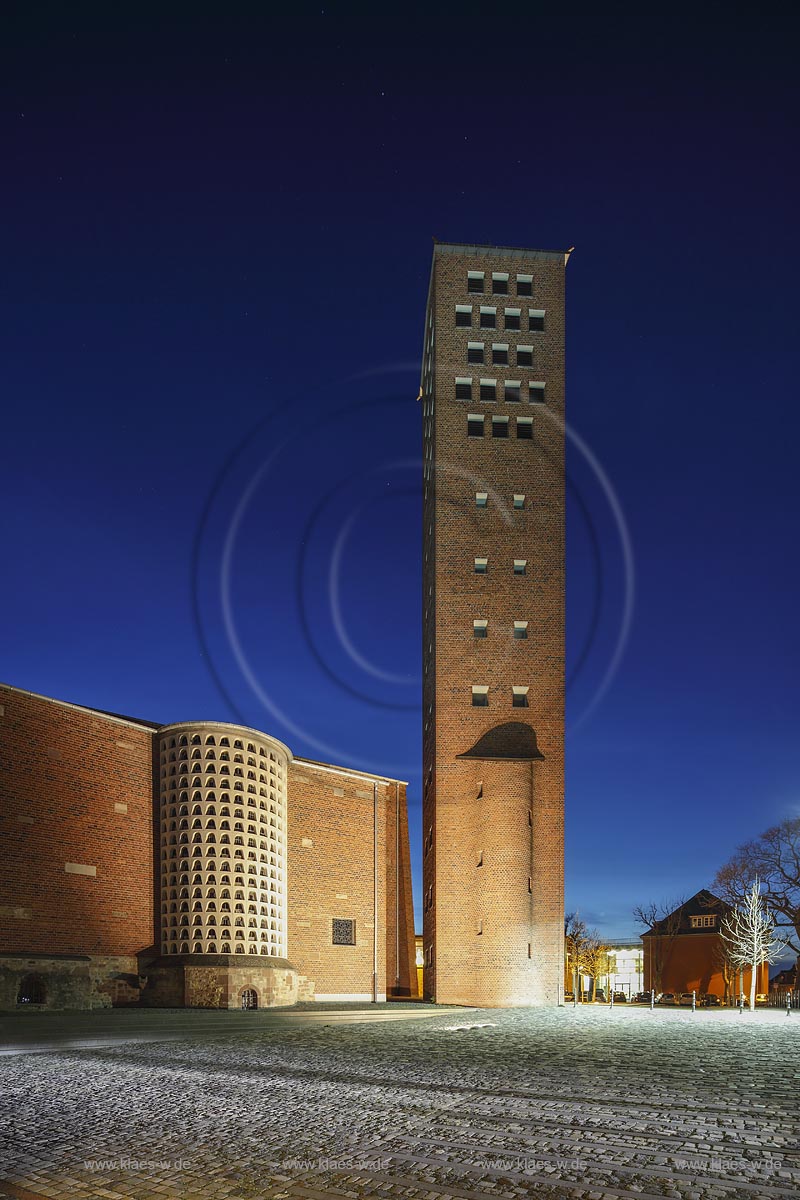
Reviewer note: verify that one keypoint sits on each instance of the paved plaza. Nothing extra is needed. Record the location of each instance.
(400, 1103)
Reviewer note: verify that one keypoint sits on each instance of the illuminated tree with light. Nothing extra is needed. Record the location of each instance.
(748, 934)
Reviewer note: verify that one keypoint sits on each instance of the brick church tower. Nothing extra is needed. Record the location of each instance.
(493, 626)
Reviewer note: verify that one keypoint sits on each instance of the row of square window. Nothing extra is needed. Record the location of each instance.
(476, 353)
(482, 500)
(482, 566)
(476, 425)
(487, 394)
(480, 629)
(480, 696)
(476, 282)
(512, 318)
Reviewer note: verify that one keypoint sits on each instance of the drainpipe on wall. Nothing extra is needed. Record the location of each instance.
(397, 886)
(375, 892)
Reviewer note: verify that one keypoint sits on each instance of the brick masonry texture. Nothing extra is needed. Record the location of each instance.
(493, 830)
(78, 787)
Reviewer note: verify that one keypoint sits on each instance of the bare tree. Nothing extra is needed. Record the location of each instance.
(748, 934)
(584, 950)
(664, 923)
(774, 858)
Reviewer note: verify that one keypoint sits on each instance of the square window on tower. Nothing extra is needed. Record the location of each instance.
(525, 428)
(511, 391)
(520, 566)
(475, 425)
(481, 499)
(488, 390)
(481, 566)
(480, 697)
(500, 283)
(519, 500)
(474, 352)
(520, 630)
(463, 316)
(536, 320)
(480, 628)
(513, 317)
(500, 427)
(524, 356)
(463, 389)
(500, 354)
(488, 319)
(519, 697)
(536, 393)
(475, 281)
(524, 285)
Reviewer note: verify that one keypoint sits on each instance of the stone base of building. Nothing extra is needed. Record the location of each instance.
(223, 981)
(33, 982)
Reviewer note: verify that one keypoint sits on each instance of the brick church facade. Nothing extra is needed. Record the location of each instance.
(492, 396)
(192, 864)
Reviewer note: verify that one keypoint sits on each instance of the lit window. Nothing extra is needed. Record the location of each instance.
(488, 390)
(475, 425)
(524, 285)
(479, 628)
(463, 389)
(525, 427)
(480, 697)
(520, 566)
(500, 427)
(481, 499)
(536, 319)
(475, 352)
(474, 281)
(536, 393)
(481, 566)
(519, 697)
(500, 283)
(513, 316)
(519, 500)
(524, 356)
(488, 318)
(511, 391)
(704, 922)
(464, 315)
(520, 630)
(500, 354)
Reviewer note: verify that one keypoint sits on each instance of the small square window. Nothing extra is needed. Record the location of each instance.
(519, 697)
(488, 318)
(464, 315)
(520, 630)
(536, 393)
(488, 390)
(480, 628)
(463, 389)
(511, 391)
(524, 356)
(499, 354)
(344, 932)
(481, 566)
(500, 283)
(475, 281)
(520, 566)
(524, 285)
(513, 316)
(480, 697)
(536, 319)
(481, 499)
(500, 427)
(519, 500)
(475, 352)
(525, 427)
(475, 425)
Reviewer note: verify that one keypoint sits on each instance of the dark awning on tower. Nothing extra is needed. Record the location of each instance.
(514, 741)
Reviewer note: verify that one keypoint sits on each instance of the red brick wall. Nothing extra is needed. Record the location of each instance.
(691, 962)
(334, 877)
(490, 938)
(62, 771)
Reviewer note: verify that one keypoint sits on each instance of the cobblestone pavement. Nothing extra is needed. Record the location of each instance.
(465, 1103)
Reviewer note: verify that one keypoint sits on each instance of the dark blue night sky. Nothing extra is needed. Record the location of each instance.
(216, 238)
